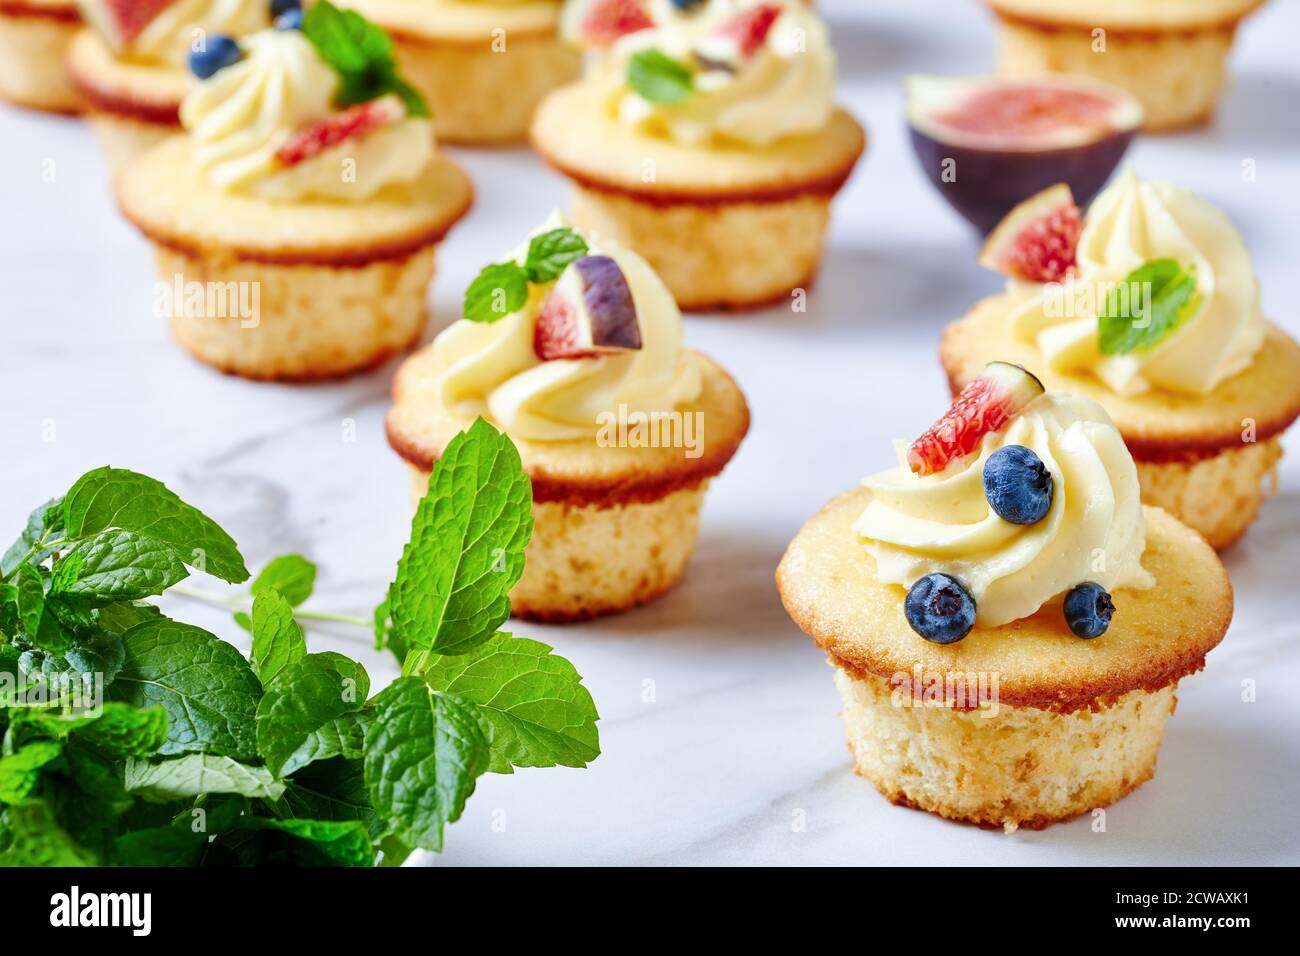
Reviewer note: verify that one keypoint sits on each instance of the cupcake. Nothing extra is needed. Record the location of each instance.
(1149, 305)
(573, 347)
(710, 144)
(296, 220)
(1171, 56)
(34, 38)
(1007, 622)
(484, 66)
(131, 64)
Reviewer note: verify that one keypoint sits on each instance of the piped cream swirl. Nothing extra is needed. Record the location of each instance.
(240, 117)
(492, 366)
(786, 88)
(1130, 223)
(1094, 530)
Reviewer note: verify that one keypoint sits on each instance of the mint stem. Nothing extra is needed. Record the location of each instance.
(243, 603)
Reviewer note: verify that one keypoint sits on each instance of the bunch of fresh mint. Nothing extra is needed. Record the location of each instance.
(130, 738)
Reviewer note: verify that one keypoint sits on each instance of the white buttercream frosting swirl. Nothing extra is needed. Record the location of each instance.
(1133, 222)
(785, 88)
(492, 367)
(1094, 530)
(240, 117)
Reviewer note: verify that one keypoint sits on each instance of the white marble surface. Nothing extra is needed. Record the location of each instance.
(741, 737)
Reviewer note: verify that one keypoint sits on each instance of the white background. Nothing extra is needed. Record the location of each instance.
(742, 736)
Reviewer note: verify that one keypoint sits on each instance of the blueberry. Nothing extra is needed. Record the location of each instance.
(940, 609)
(1017, 485)
(686, 4)
(219, 52)
(1088, 610)
(291, 20)
(281, 7)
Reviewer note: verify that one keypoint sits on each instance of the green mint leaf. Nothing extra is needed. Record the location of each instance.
(44, 523)
(362, 54)
(344, 736)
(182, 841)
(41, 625)
(116, 566)
(115, 498)
(658, 78)
(309, 695)
(277, 638)
(533, 699)
(21, 771)
(120, 618)
(205, 685)
(467, 546)
(1152, 301)
(290, 574)
(333, 789)
(125, 731)
(550, 252)
(497, 291)
(35, 838)
(197, 774)
(424, 753)
(329, 842)
(96, 651)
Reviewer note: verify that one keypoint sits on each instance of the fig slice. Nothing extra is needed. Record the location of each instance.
(121, 21)
(985, 405)
(589, 312)
(1037, 240)
(988, 143)
(738, 38)
(601, 22)
(351, 123)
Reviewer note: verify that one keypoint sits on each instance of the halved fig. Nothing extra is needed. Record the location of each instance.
(351, 123)
(1037, 240)
(988, 144)
(589, 312)
(121, 21)
(601, 22)
(739, 37)
(985, 405)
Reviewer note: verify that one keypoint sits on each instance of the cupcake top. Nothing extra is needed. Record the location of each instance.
(165, 32)
(1020, 496)
(316, 113)
(1162, 295)
(569, 329)
(735, 71)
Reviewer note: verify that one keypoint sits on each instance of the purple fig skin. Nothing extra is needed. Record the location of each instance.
(989, 183)
(608, 305)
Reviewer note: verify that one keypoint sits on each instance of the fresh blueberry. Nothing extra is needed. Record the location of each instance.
(219, 52)
(280, 7)
(686, 4)
(1088, 610)
(291, 20)
(1017, 485)
(940, 609)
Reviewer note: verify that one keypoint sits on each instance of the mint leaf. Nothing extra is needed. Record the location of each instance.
(196, 774)
(115, 498)
(309, 695)
(290, 574)
(125, 731)
(534, 701)
(126, 615)
(497, 291)
(95, 651)
(424, 753)
(362, 54)
(116, 566)
(330, 790)
(277, 638)
(205, 685)
(35, 838)
(550, 252)
(21, 771)
(1152, 301)
(658, 78)
(43, 524)
(344, 736)
(467, 546)
(336, 842)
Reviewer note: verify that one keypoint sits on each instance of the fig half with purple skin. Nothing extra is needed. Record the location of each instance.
(988, 144)
(589, 312)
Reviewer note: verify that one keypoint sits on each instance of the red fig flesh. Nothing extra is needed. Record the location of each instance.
(121, 21)
(1037, 240)
(588, 313)
(600, 22)
(351, 123)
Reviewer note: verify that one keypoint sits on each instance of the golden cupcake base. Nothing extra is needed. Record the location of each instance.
(34, 39)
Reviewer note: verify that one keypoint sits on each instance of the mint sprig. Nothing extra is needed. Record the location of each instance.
(502, 287)
(287, 755)
(658, 78)
(362, 54)
(1152, 301)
